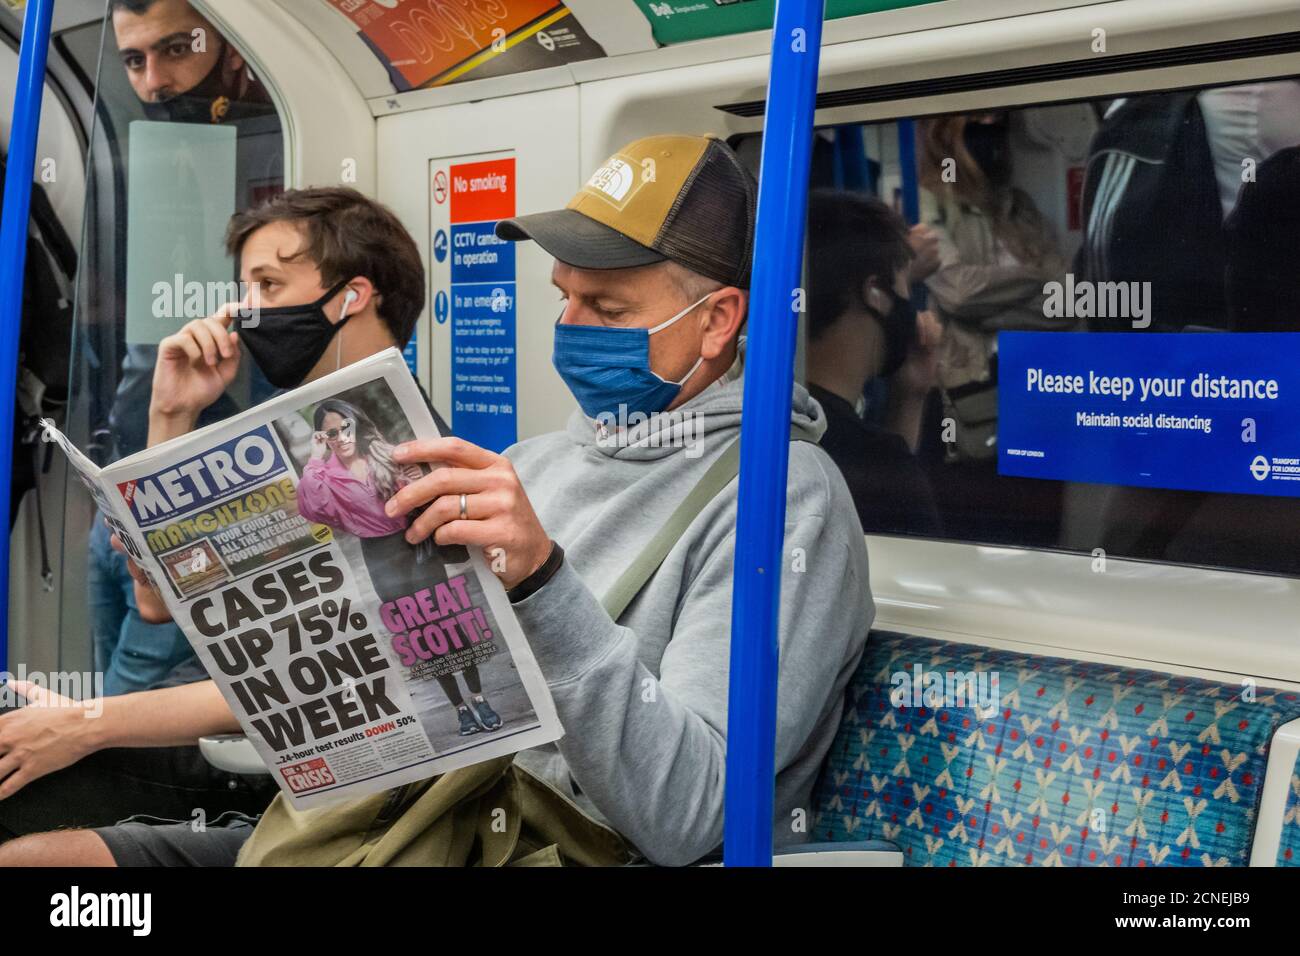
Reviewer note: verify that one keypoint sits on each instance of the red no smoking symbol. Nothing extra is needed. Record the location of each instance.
(440, 187)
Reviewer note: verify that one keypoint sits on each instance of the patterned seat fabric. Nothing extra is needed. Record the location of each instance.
(1288, 852)
(1078, 764)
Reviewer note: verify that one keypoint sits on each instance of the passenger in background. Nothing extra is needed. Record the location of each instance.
(861, 327)
(181, 67)
(1252, 122)
(1182, 193)
(1164, 173)
(996, 254)
(1262, 292)
(1263, 246)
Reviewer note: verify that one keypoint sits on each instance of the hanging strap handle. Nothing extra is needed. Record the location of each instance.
(720, 474)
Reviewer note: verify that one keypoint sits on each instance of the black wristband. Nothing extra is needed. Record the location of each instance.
(537, 580)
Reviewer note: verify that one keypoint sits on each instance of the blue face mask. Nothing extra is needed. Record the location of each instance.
(608, 368)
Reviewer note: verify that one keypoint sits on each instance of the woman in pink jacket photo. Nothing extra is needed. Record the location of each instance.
(345, 485)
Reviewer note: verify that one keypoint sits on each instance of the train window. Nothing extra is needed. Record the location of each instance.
(185, 133)
(1067, 326)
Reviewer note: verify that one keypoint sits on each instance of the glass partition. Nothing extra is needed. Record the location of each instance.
(184, 135)
(1087, 339)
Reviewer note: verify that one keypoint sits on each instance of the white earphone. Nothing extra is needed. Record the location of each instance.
(343, 314)
(347, 303)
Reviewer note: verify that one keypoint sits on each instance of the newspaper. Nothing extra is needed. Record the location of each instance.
(338, 645)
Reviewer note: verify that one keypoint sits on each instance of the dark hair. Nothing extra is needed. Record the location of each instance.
(1016, 221)
(851, 237)
(138, 7)
(371, 443)
(347, 234)
(367, 430)
(1263, 247)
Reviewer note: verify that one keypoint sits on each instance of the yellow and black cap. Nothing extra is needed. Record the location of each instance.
(685, 199)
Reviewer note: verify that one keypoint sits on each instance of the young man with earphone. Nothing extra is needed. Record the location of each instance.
(338, 279)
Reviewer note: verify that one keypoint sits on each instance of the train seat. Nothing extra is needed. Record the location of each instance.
(1288, 851)
(233, 753)
(1179, 768)
(1080, 764)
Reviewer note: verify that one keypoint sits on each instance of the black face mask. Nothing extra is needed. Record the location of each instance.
(989, 144)
(288, 341)
(195, 105)
(900, 333)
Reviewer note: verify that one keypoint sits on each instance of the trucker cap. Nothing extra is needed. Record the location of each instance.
(686, 199)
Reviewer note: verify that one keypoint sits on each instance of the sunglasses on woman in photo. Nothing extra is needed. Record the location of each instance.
(344, 431)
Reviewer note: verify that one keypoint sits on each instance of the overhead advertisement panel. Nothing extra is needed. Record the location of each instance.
(428, 43)
(676, 21)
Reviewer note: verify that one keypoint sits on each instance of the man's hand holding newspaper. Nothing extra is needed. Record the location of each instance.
(497, 516)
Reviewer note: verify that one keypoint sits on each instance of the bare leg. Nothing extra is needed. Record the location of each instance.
(57, 848)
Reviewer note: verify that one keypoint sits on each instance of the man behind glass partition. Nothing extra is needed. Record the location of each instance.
(180, 66)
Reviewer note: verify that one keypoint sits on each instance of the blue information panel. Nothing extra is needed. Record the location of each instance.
(472, 277)
(479, 256)
(412, 355)
(1195, 411)
(483, 335)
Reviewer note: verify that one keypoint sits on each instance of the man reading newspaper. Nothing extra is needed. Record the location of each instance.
(652, 274)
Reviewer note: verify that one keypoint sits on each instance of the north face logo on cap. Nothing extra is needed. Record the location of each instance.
(613, 181)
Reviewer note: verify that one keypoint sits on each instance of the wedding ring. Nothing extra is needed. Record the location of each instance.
(464, 513)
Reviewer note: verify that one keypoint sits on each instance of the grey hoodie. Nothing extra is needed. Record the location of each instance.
(644, 701)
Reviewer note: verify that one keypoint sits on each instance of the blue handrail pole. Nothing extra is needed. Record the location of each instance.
(765, 432)
(851, 154)
(21, 166)
(911, 191)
